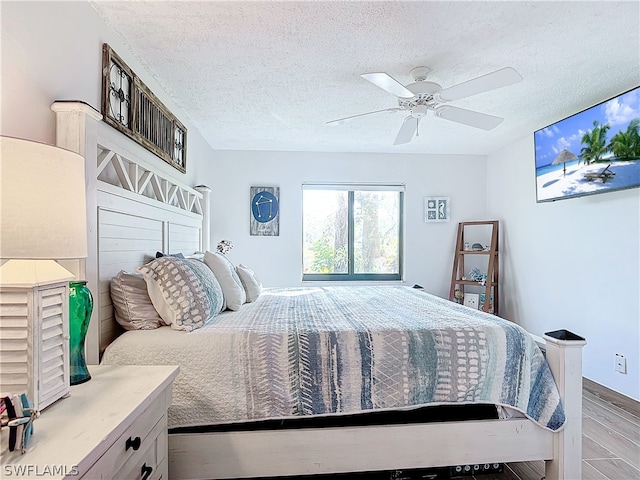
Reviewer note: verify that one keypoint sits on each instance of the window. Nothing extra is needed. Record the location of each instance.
(352, 232)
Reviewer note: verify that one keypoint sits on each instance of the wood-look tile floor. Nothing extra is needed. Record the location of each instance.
(610, 445)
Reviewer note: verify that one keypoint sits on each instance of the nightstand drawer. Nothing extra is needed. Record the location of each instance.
(133, 443)
(147, 464)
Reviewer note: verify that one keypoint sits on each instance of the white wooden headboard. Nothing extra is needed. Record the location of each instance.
(136, 206)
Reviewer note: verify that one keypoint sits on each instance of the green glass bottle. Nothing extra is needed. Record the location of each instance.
(80, 308)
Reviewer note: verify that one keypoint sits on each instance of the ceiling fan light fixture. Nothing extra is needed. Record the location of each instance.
(419, 111)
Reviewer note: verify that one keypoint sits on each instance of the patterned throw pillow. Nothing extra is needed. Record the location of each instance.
(185, 292)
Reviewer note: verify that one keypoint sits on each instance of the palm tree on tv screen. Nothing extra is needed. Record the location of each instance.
(595, 143)
(626, 145)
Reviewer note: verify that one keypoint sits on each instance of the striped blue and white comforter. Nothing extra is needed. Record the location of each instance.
(340, 350)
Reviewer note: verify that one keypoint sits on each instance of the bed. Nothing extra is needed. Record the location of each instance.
(128, 194)
(343, 350)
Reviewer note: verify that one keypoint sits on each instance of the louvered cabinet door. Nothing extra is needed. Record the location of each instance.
(34, 342)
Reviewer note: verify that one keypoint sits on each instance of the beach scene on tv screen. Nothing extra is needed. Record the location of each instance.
(594, 151)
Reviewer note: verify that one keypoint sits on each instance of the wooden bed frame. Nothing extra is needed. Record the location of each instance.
(137, 206)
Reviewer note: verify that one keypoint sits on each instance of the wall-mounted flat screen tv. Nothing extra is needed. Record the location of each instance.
(594, 151)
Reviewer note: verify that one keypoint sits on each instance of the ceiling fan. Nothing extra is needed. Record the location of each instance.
(422, 96)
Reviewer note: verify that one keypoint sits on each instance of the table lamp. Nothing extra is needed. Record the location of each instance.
(42, 219)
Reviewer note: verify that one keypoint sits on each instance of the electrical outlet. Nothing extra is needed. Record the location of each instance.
(620, 364)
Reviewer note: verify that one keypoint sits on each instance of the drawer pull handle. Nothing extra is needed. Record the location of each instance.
(132, 443)
(145, 472)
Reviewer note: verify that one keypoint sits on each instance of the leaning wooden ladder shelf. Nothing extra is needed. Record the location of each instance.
(459, 279)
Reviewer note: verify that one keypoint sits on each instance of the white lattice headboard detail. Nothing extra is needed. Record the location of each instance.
(132, 176)
(136, 206)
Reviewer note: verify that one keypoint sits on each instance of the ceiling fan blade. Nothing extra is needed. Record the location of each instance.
(498, 79)
(341, 121)
(388, 83)
(407, 130)
(468, 117)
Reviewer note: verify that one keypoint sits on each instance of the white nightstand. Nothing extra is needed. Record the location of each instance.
(112, 427)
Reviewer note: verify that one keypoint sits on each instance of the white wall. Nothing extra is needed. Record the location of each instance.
(571, 264)
(278, 260)
(53, 51)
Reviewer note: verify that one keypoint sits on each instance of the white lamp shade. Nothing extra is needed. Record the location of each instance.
(42, 201)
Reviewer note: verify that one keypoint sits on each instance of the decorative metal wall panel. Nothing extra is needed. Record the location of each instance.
(131, 107)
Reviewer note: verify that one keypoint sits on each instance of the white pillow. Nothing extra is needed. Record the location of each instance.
(252, 285)
(225, 272)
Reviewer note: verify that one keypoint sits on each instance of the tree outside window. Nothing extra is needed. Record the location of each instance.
(352, 232)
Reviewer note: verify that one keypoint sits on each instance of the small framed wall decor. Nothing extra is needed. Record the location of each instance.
(265, 209)
(437, 209)
(472, 300)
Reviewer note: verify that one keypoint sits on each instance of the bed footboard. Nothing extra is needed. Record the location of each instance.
(564, 355)
(315, 451)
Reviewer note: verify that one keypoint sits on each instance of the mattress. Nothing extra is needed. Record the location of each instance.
(343, 350)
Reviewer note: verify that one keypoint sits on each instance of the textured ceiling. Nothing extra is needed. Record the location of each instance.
(269, 75)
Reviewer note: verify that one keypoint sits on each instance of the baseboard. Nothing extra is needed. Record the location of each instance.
(627, 404)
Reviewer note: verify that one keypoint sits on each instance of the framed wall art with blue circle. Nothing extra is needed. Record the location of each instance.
(265, 209)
